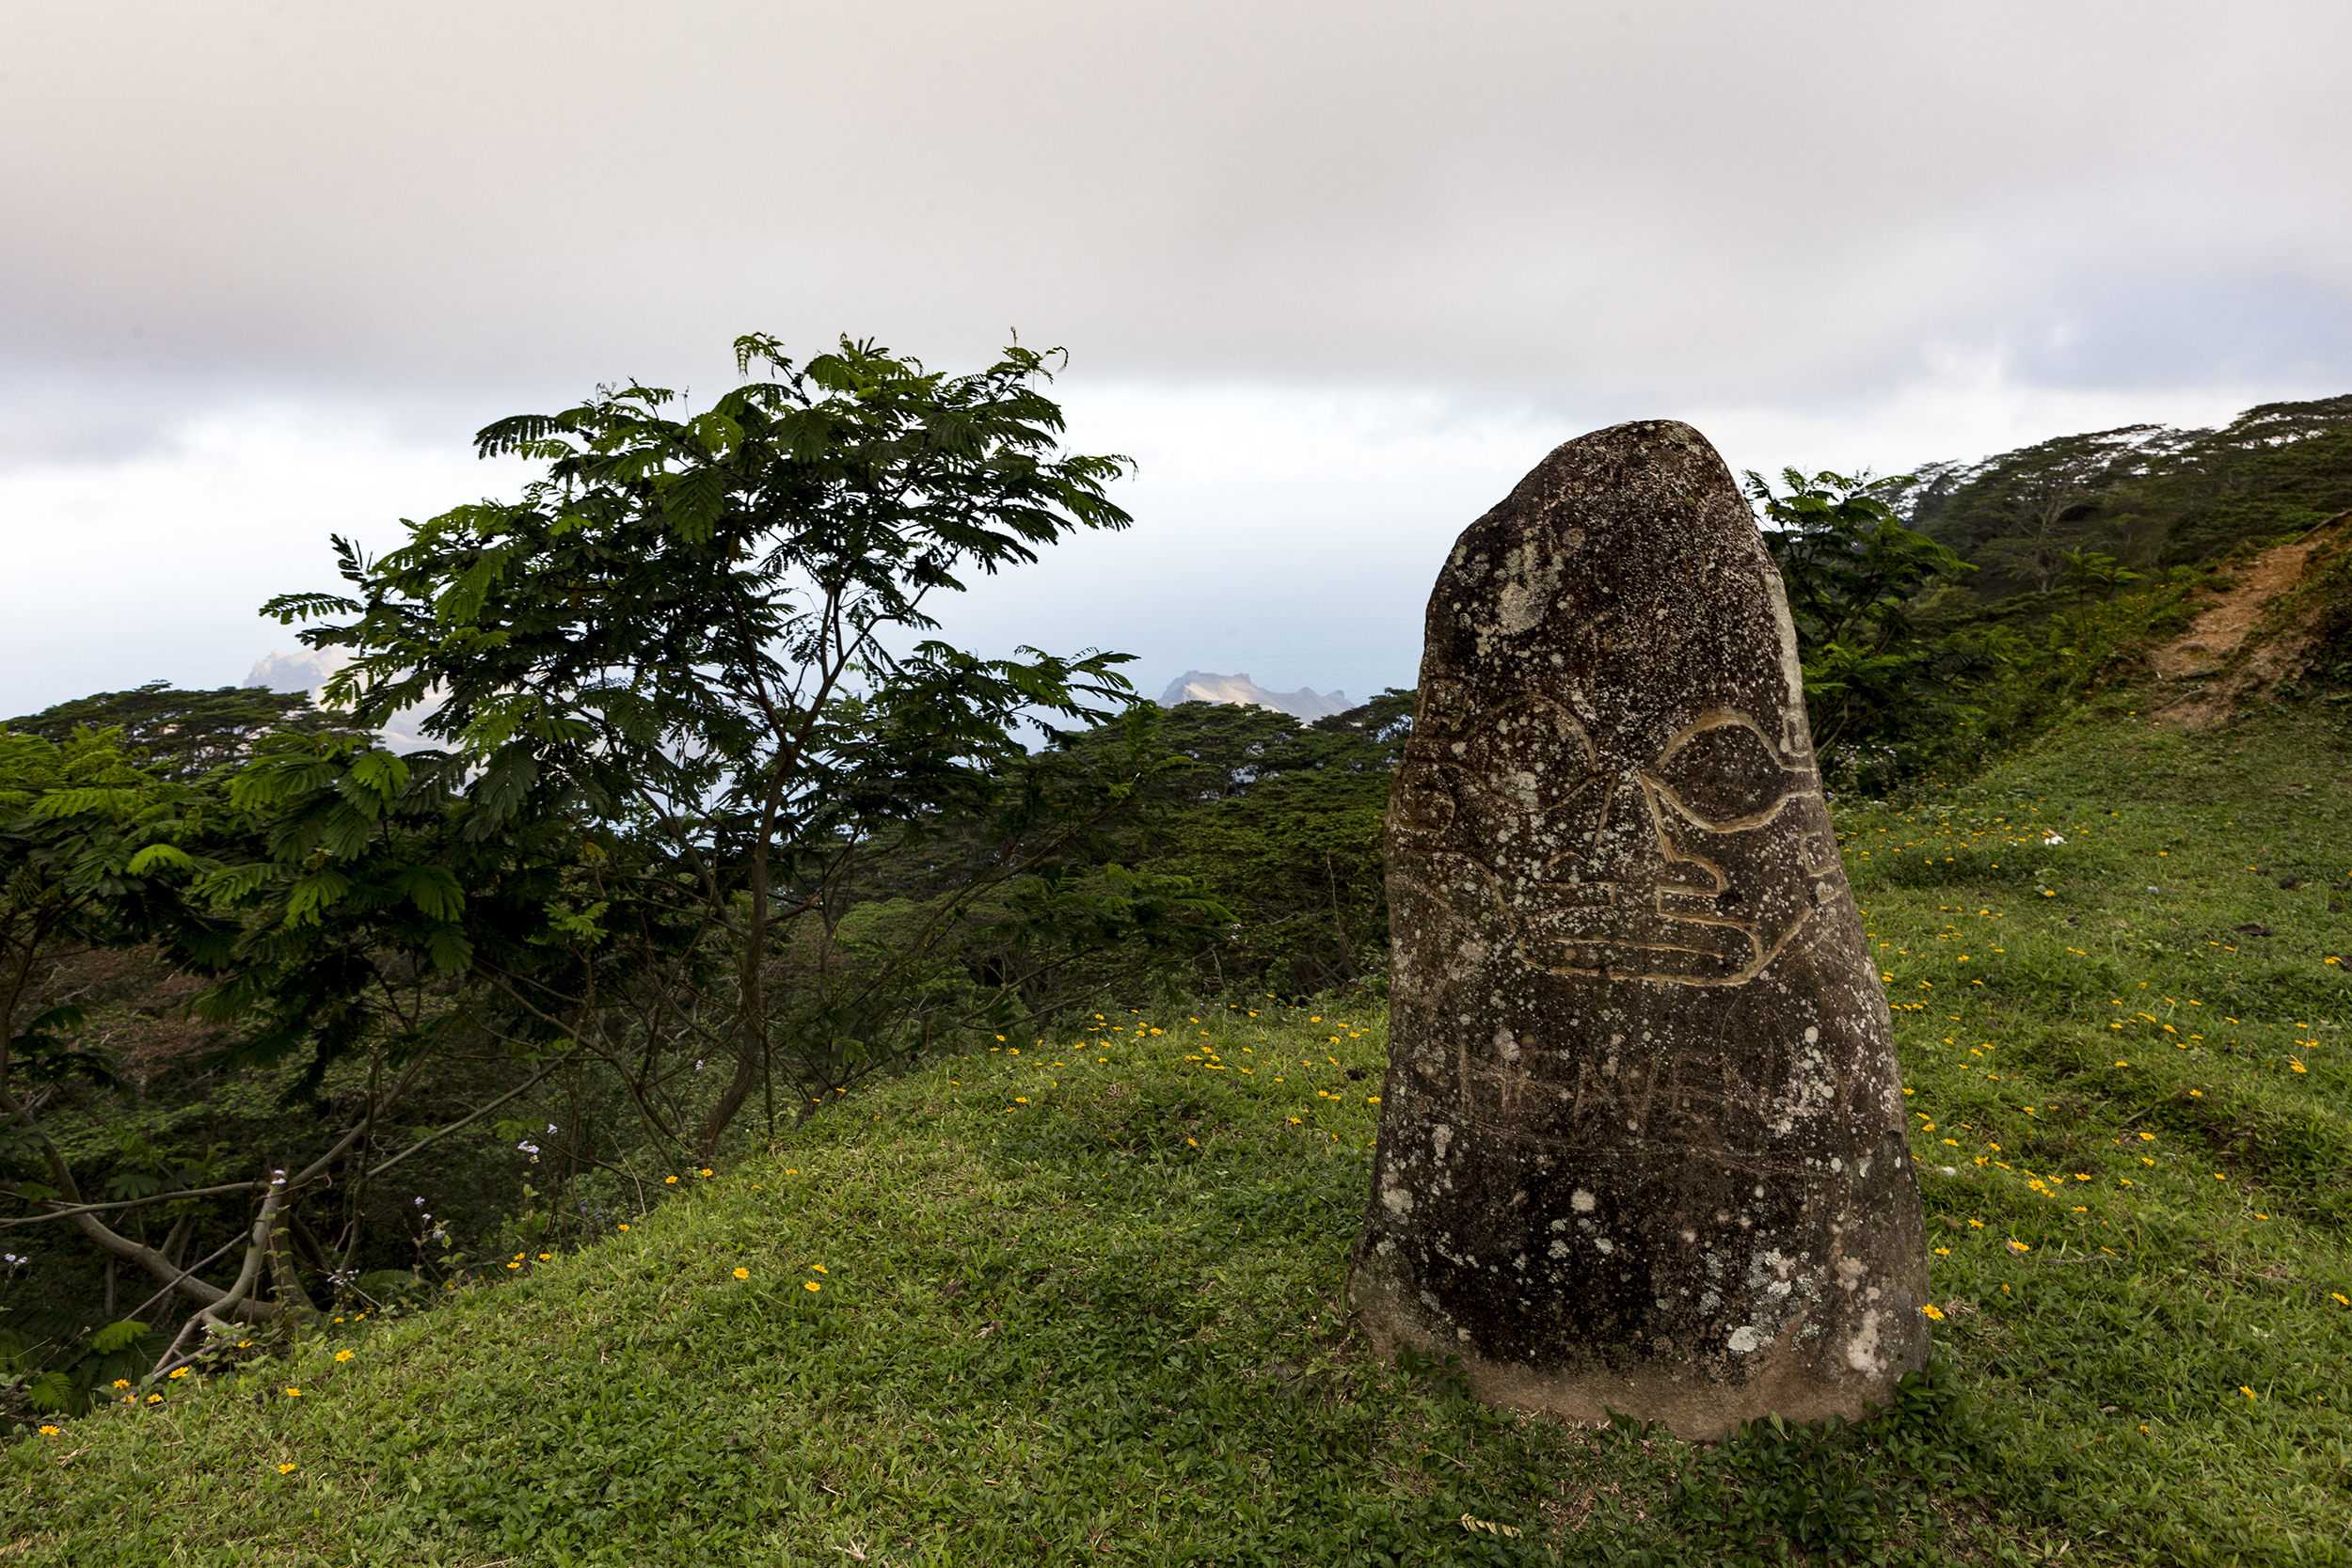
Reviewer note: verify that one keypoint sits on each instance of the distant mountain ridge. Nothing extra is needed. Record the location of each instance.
(1199, 686)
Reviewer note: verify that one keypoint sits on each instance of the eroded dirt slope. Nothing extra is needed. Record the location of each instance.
(2238, 650)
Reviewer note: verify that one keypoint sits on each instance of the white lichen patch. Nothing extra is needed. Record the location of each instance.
(1861, 1350)
(1812, 1087)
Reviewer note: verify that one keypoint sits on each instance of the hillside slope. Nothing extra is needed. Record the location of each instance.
(2152, 495)
(1080, 1303)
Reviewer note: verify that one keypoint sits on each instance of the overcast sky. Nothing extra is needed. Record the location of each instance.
(1336, 275)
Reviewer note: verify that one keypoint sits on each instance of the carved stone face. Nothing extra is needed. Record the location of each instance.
(1692, 862)
(1643, 1145)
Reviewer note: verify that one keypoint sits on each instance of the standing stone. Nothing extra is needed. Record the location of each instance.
(1643, 1148)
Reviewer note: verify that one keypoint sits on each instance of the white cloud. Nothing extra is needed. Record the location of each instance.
(1289, 531)
(154, 565)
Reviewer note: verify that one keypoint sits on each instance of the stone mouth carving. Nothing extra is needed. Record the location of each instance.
(1676, 868)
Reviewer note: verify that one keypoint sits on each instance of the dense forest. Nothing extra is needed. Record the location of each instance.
(2145, 496)
(294, 1025)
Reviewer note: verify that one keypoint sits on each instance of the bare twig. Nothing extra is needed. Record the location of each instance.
(69, 1211)
(173, 1284)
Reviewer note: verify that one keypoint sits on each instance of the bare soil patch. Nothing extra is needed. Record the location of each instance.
(2220, 659)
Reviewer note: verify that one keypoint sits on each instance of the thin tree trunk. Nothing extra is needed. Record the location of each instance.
(175, 1245)
(738, 1090)
(285, 1277)
(1347, 946)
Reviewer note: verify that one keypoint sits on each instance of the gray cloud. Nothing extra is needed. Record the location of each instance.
(1338, 274)
(1675, 197)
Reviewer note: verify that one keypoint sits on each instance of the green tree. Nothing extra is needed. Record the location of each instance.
(1280, 820)
(2018, 513)
(91, 844)
(1853, 572)
(702, 638)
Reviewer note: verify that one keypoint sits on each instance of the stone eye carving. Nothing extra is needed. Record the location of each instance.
(1533, 754)
(1724, 776)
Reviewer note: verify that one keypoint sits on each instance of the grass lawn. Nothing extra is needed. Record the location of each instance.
(1079, 1301)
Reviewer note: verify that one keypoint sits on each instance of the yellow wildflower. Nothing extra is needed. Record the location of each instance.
(343, 1355)
(742, 1273)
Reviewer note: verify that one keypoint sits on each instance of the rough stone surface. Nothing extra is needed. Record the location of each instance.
(1643, 1147)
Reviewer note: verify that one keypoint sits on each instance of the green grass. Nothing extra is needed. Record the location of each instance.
(1081, 1304)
